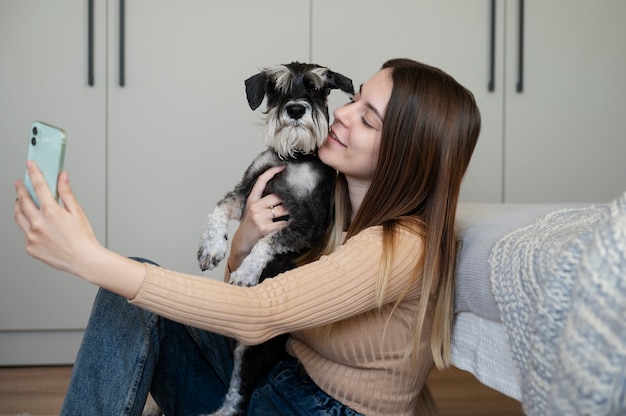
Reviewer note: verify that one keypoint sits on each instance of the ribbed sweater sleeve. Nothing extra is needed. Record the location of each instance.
(334, 288)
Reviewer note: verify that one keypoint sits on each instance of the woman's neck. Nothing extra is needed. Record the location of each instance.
(356, 191)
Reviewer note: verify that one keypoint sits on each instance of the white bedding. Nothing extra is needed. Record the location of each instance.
(479, 341)
(480, 346)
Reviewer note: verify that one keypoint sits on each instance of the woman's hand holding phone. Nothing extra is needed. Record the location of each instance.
(44, 222)
(57, 235)
(61, 236)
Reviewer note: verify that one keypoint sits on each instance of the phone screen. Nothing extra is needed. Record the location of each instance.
(46, 147)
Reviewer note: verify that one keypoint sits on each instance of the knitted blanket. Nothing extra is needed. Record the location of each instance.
(560, 284)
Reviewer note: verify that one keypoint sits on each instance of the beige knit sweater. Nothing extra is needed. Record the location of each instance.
(359, 360)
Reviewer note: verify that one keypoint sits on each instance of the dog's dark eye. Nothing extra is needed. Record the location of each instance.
(310, 85)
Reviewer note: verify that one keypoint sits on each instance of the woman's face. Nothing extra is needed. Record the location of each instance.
(354, 139)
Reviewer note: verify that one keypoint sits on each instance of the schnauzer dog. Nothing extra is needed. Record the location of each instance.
(296, 124)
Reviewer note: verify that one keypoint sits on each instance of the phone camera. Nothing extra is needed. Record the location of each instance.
(35, 131)
(33, 141)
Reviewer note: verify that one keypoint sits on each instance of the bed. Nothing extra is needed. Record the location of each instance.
(541, 304)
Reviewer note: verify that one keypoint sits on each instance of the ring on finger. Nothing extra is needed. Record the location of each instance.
(273, 213)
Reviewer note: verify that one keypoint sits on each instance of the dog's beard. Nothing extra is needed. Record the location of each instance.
(288, 137)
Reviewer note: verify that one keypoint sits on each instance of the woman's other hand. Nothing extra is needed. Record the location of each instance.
(258, 218)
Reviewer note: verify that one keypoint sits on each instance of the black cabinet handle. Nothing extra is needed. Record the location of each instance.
(90, 78)
(492, 49)
(122, 80)
(520, 58)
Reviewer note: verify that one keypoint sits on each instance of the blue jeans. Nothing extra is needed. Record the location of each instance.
(127, 352)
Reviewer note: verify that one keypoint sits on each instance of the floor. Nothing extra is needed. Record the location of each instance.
(40, 391)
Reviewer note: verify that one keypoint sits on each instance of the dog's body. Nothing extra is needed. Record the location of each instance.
(295, 126)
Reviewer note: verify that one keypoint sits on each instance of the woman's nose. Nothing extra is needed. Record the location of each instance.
(341, 113)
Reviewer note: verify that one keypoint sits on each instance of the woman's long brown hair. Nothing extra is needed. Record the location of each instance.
(429, 133)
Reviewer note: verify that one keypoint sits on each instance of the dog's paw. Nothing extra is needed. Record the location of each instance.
(244, 278)
(211, 254)
(212, 249)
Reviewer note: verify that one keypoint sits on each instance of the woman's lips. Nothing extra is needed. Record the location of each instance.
(333, 138)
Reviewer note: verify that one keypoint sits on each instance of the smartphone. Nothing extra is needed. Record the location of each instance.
(46, 147)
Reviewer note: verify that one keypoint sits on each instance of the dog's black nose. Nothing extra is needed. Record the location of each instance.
(296, 111)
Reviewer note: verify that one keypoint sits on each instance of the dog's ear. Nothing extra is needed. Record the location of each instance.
(256, 87)
(334, 80)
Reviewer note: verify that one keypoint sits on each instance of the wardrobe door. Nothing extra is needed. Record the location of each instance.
(455, 35)
(44, 75)
(565, 135)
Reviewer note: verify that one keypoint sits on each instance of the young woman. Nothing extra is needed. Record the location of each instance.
(367, 318)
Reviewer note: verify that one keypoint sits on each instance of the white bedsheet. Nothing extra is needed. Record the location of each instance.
(480, 346)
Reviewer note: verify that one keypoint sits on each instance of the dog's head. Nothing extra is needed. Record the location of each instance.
(297, 108)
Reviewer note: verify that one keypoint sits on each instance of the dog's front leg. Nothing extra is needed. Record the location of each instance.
(252, 266)
(214, 243)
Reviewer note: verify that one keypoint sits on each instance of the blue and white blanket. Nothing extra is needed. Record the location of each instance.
(560, 284)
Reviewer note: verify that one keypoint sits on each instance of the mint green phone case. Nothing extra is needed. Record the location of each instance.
(46, 147)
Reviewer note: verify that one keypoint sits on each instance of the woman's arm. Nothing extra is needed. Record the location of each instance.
(62, 237)
(334, 288)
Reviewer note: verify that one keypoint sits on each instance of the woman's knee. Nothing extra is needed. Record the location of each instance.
(118, 311)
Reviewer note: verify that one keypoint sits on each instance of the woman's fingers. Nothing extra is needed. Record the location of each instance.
(40, 186)
(278, 211)
(25, 209)
(67, 195)
(19, 216)
(262, 180)
(265, 207)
